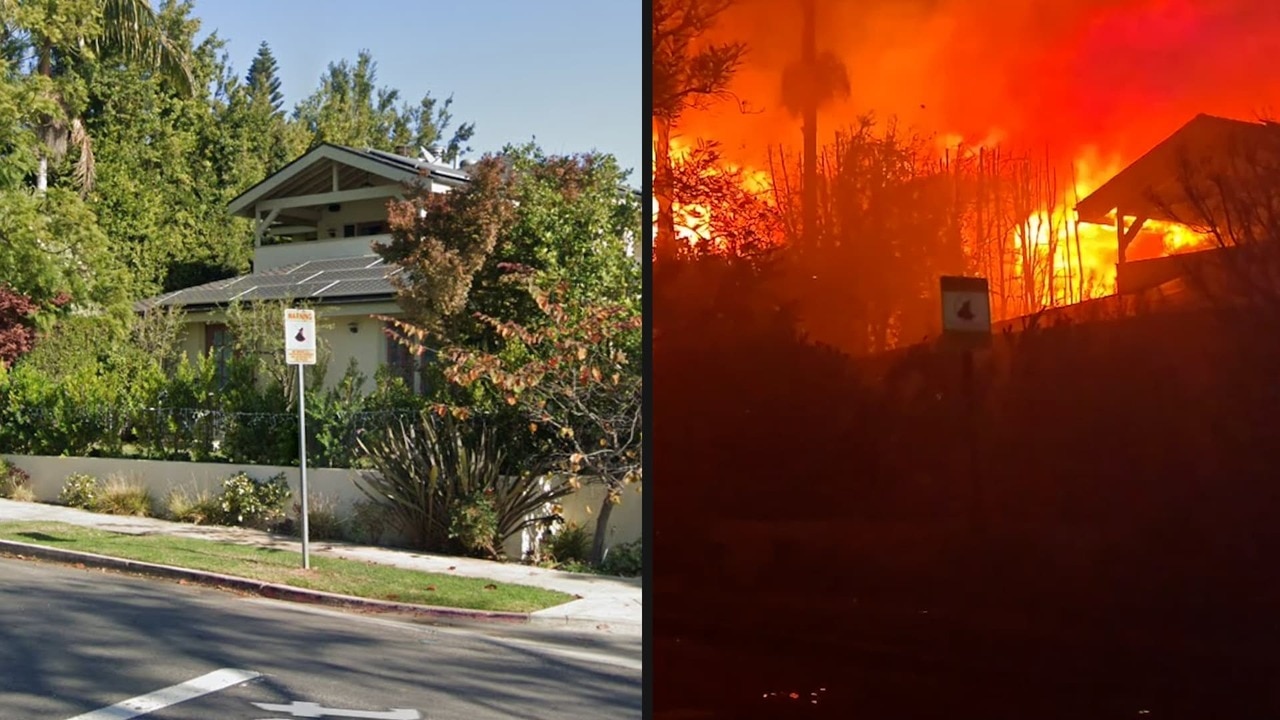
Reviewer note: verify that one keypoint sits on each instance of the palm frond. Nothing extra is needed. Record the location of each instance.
(132, 29)
(84, 170)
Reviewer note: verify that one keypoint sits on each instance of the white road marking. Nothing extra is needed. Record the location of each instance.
(172, 695)
(312, 710)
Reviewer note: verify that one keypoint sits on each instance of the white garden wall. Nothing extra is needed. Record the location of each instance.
(338, 485)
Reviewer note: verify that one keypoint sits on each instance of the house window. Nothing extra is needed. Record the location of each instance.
(364, 229)
(217, 343)
(407, 367)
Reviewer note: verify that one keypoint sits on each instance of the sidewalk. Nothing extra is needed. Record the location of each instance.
(607, 604)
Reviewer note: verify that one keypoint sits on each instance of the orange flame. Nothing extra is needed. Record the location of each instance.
(694, 223)
(1081, 257)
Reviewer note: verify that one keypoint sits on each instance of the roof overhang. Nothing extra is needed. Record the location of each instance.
(335, 173)
(1155, 185)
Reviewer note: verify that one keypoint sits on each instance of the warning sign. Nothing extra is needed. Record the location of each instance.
(966, 306)
(299, 337)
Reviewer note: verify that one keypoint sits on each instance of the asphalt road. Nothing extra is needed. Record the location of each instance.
(75, 641)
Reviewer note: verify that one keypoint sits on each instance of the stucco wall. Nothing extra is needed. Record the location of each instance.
(337, 485)
(626, 522)
(49, 473)
(368, 345)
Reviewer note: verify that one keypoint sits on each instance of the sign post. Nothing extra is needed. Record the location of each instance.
(300, 350)
(966, 323)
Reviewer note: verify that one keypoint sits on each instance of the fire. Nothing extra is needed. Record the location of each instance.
(1059, 261)
(1090, 251)
(695, 222)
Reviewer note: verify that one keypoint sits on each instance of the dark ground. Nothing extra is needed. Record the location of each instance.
(740, 651)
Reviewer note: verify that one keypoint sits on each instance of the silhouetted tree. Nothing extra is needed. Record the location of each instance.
(685, 75)
(1229, 191)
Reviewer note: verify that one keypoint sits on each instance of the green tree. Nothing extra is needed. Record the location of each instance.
(52, 249)
(261, 81)
(163, 175)
(249, 138)
(20, 103)
(349, 109)
(62, 37)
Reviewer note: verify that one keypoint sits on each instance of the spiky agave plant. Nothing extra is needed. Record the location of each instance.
(426, 470)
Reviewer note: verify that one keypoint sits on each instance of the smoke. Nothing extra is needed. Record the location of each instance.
(1115, 76)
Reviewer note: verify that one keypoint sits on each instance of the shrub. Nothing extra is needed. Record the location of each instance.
(332, 419)
(251, 502)
(626, 559)
(323, 520)
(368, 523)
(80, 491)
(14, 481)
(425, 471)
(23, 493)
(199, 508)
(120, 496)
(571, 545)
(474, 525)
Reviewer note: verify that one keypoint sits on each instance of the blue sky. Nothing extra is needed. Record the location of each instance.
(566, 72)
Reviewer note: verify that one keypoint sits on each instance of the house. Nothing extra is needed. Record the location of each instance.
(315, 222)
(1173, 185)
(1177, 182)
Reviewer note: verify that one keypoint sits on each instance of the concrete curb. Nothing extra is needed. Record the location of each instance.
(274, 591)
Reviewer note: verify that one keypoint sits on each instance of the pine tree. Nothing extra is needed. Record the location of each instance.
(262, 80)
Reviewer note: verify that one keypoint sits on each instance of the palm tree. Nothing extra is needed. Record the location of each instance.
(126, 30)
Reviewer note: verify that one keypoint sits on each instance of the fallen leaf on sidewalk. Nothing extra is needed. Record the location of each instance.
(453, 567)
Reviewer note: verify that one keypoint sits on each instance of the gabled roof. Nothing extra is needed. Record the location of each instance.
(312, 173)
(1207, 143)
(355, 279)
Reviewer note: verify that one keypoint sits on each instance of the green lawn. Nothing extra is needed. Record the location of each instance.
(347, 577)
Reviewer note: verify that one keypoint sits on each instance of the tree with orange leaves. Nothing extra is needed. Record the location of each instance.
(574, 375)
(569, 217)
(685, 76)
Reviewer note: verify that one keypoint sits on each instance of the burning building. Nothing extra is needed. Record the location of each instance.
(995, 127)
(1214, 187)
